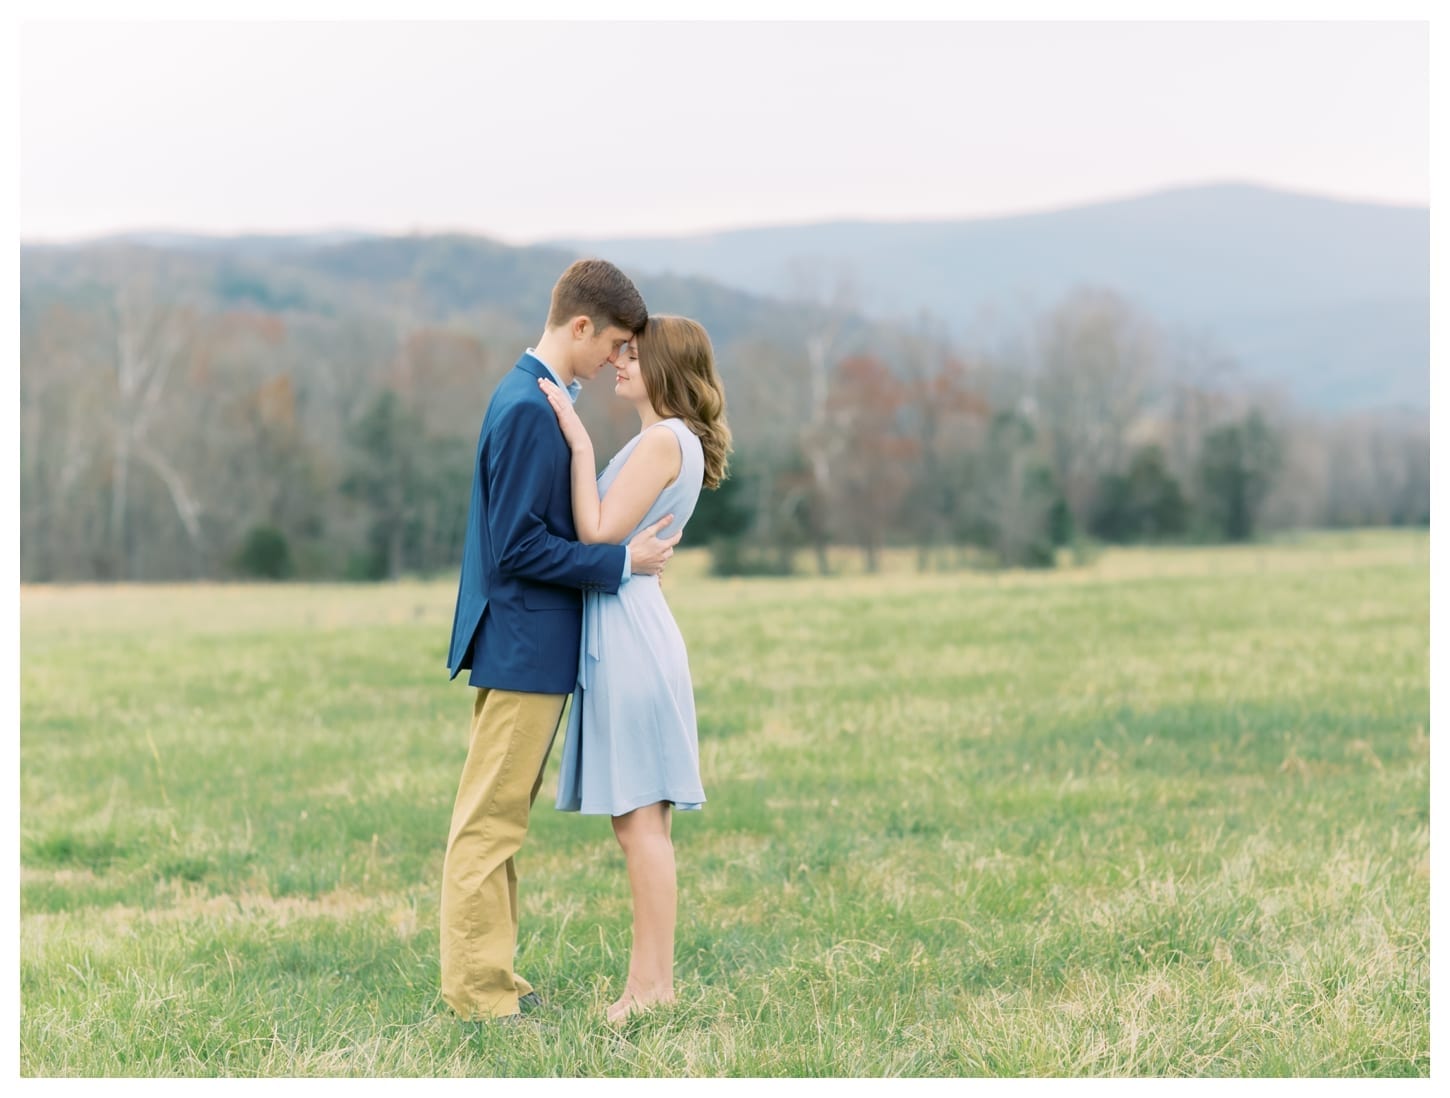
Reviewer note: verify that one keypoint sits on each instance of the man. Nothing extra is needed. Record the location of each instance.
(516, 627)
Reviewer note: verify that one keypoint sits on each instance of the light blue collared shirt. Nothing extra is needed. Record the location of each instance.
(573, 389)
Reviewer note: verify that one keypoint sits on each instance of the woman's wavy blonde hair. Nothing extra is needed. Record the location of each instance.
(678, 366)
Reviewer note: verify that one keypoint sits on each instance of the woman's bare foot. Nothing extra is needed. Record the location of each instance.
(634, 1002)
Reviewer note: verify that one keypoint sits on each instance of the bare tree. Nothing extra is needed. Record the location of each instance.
(1197, 391)
(63, 410)
(871, 474)
(151, 336)
(1096, 359)
(1377, 470)
(948, 417)
(830, 298)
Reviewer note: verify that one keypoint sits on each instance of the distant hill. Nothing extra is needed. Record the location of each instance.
(1328, 299)
(438, 277)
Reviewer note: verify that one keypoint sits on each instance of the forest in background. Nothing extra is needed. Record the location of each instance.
(309, 408)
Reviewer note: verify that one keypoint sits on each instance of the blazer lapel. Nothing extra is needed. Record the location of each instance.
(532, 366)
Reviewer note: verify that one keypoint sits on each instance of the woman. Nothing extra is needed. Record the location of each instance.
(630, 749)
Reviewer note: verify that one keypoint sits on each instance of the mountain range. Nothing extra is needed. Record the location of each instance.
(1324, 299)
(1327, 299)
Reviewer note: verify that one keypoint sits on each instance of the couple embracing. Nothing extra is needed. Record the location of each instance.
(559, 594)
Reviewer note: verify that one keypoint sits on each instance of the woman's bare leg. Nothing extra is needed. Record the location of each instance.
(649, 856)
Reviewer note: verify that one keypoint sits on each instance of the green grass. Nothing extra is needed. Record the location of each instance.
(1164, 814)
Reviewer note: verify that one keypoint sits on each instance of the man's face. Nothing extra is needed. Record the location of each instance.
(598, 350)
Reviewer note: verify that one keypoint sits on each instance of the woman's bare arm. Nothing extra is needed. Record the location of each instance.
(653, 465)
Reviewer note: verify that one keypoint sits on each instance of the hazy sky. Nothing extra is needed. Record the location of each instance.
(526, 131)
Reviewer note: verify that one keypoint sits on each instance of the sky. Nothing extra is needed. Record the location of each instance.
(527, 131)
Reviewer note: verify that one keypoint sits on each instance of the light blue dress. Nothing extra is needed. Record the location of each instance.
(631, 738)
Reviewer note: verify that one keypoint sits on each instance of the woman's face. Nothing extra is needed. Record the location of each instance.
(628, 377)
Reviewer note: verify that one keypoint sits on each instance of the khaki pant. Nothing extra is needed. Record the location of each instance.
(510, 742)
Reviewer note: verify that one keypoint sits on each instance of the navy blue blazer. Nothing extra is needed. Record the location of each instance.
(516, 623)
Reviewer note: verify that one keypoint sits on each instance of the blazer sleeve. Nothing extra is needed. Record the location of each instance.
(518, 486)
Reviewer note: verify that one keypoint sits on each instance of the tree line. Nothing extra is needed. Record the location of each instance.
(181, 423)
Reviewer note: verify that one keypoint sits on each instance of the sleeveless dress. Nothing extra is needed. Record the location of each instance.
(631, 738)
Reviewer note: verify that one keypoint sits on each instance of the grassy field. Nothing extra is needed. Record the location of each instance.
(1163, 814)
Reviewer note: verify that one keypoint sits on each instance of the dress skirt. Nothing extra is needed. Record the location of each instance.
(631, 738)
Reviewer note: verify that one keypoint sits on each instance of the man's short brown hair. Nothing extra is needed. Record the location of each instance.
(602, 292)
